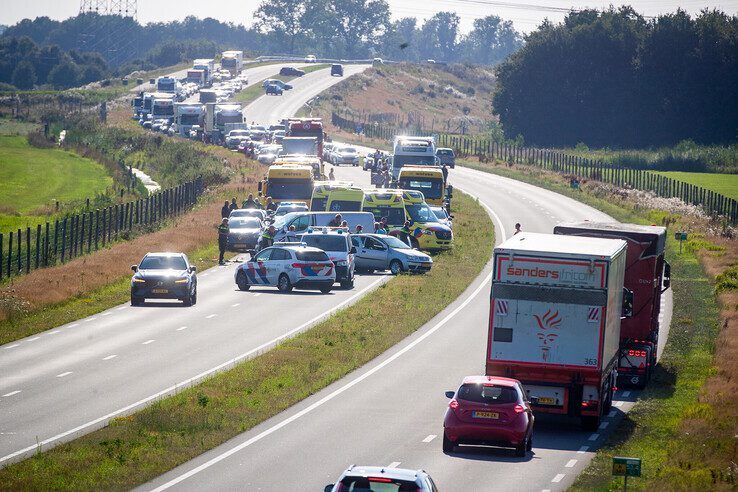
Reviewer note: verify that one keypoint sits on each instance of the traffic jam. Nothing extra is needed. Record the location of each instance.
(574, 314)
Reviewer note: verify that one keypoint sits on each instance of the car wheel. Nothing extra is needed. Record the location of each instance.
(326, 290)
(194, 297)
(530, 443)
(521, 449)
(241, 281)
(347, 284)
(187, 300)
(448, 444)
(137, 301)
(395, 267)
(283, 283)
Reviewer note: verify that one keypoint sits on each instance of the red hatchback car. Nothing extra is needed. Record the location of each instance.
(488, 410)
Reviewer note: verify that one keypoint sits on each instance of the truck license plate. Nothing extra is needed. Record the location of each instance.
(486, 415)
(544, 400)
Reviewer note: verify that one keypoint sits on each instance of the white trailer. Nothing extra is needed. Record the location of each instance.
(206, 64)
(232, 61)
(415, 151)
(555, 312)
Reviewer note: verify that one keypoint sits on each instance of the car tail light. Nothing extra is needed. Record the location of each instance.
(519, 409)
(453, 404)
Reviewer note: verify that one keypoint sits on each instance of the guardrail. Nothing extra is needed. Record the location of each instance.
(711, 202)
(80, 234)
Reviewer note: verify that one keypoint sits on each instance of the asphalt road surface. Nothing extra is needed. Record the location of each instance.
(390, 412)
(73, 379)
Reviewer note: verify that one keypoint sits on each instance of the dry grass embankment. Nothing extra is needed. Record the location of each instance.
(132, 450)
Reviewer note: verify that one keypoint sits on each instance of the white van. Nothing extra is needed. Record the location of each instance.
(303, 220)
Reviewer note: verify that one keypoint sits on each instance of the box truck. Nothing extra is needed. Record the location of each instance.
(554, 324)
(232, 61)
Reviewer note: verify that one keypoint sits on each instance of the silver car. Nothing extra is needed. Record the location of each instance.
(382, 252)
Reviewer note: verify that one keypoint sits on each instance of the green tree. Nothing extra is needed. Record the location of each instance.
(24, 75)
(64, 75)
(283, 19)
(491, 41)
(438, 36)
(351, 27)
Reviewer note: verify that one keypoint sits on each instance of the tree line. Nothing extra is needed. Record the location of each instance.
(614, 78)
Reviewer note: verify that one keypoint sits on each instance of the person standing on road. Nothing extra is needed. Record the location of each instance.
(249, 202)
(225, 211)
(270, 205)
(378, 229)
(335, 221)
(517, 228)
(267, 238)
(444, 169)
(359, 229)
(222, 239)
(331, 176)
(234, 204)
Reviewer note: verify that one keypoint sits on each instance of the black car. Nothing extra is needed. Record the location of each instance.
(337, 69)
(243, 233)
(274, 89)
(292, 72)
(164, 276)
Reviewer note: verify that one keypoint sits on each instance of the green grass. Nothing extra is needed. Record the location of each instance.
(32, 178)
(652, 429)
(16, 127)
(726, 184)
(253, 92)
(132, 450)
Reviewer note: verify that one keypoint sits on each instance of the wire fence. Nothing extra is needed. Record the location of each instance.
(76, 235)
(485, 149)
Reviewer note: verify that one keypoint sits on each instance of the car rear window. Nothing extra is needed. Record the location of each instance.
(311, 256)
(376, 484)
(327, 242)
(480, 393)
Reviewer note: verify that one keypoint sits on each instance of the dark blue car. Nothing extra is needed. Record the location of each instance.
(164, 276)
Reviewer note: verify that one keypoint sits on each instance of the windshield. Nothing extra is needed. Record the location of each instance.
(235, 118)
(420, 160)
(395, 216)
(244, 223)
(345, 206)
(421, 213)
(163, 110)
(311, 256)
(393, 242)
(291, 208)
(189, 119)
(326, 242)
(163, 263)
(348, 150)
(318, 204)
(310, 132)
(280, 222)
(445, 152)
(282, 188)
(440, 212)
(431, 188)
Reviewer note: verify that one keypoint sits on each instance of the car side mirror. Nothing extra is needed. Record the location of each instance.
(449, 394)
(134, 268)
(193, 268)
(328, 488)
(627, 303)
(353, 250)
(667, 276)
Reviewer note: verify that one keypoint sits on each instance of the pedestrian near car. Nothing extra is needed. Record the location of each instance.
(336, 221)
(222, 239)
(234, 204)
(225, 211)
(444, 169)
(378, 229)
(270, 205)
(517, 228)
(359, 229)
(291, 236)
(331, 176)
(344, 224)
(267, 238)
(384, 221)
(249, 202)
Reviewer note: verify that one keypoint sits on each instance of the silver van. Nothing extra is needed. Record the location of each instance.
(304, 220)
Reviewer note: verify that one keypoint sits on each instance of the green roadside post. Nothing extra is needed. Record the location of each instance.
(626, 467)
(681, 237)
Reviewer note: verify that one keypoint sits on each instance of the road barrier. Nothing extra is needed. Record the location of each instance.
(76, 235)
(570, 165)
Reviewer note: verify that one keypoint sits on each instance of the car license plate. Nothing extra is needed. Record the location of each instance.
(160, 291)
(486, 415)
(545, 400)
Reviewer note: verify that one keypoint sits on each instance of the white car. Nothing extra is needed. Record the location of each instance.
(337, 243)
(288, 266)
(310, 59)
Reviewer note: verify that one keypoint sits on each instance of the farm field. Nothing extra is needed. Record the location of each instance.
(726, 184)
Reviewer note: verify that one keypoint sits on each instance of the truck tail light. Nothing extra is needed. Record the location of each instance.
(590, 404)
(637, 353)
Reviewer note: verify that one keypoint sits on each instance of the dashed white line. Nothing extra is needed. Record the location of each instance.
(121, 308)
(236, 305)
(571, 463)
(181, 328)
(73, 325)
(604, 425)
(429, 438)
(112, 356)
(257, 294)
(626, 394)
(32, 339)
(64, 374)
(210, 316)
(108, 313)
(617, 404)
(11, 393)
(55, 332)
(148, 342)
(583, 450)
(558, 478)
(394, 464)
(90, 319)
(12, 346)
(594, 437)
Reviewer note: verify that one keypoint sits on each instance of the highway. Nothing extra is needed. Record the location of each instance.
(75, 378)
(390, 412)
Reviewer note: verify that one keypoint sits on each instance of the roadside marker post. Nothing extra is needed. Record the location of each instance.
(681, 237)
(626, 467)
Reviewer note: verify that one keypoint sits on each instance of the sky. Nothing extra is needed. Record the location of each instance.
(526, 15)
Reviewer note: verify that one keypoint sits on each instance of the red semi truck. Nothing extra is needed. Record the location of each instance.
(647, 275)
(306, 127)
(555, 312)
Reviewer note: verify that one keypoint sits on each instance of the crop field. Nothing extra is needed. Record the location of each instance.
(726, 184)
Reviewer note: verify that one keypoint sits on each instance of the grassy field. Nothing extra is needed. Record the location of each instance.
(132, 450)
(253, 92)
(726, 184)
(32, 179)
(657, 428)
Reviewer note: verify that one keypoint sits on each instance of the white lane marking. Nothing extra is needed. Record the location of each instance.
(55, 332)
(236, 305)
(257, 294)
(32, 339)
(626, 394)
(187, 382)
(11, 393)
(394, 464)
(594, 437)
(181, 328)
(617, 404)
(112, 356)
(73, 325)
(558, 478)
(583, 450)
(108, 313)
(571, 463)
(546, 490)
(429, 438)
(604, 425)
(209, 316)
(12, 346)
(148, 342)
(64, 374)
(121, 308)
(612, 413)
(330, 396)
(90, 319)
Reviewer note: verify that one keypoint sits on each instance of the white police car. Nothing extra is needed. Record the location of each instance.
(288, 266)
(337, 243)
